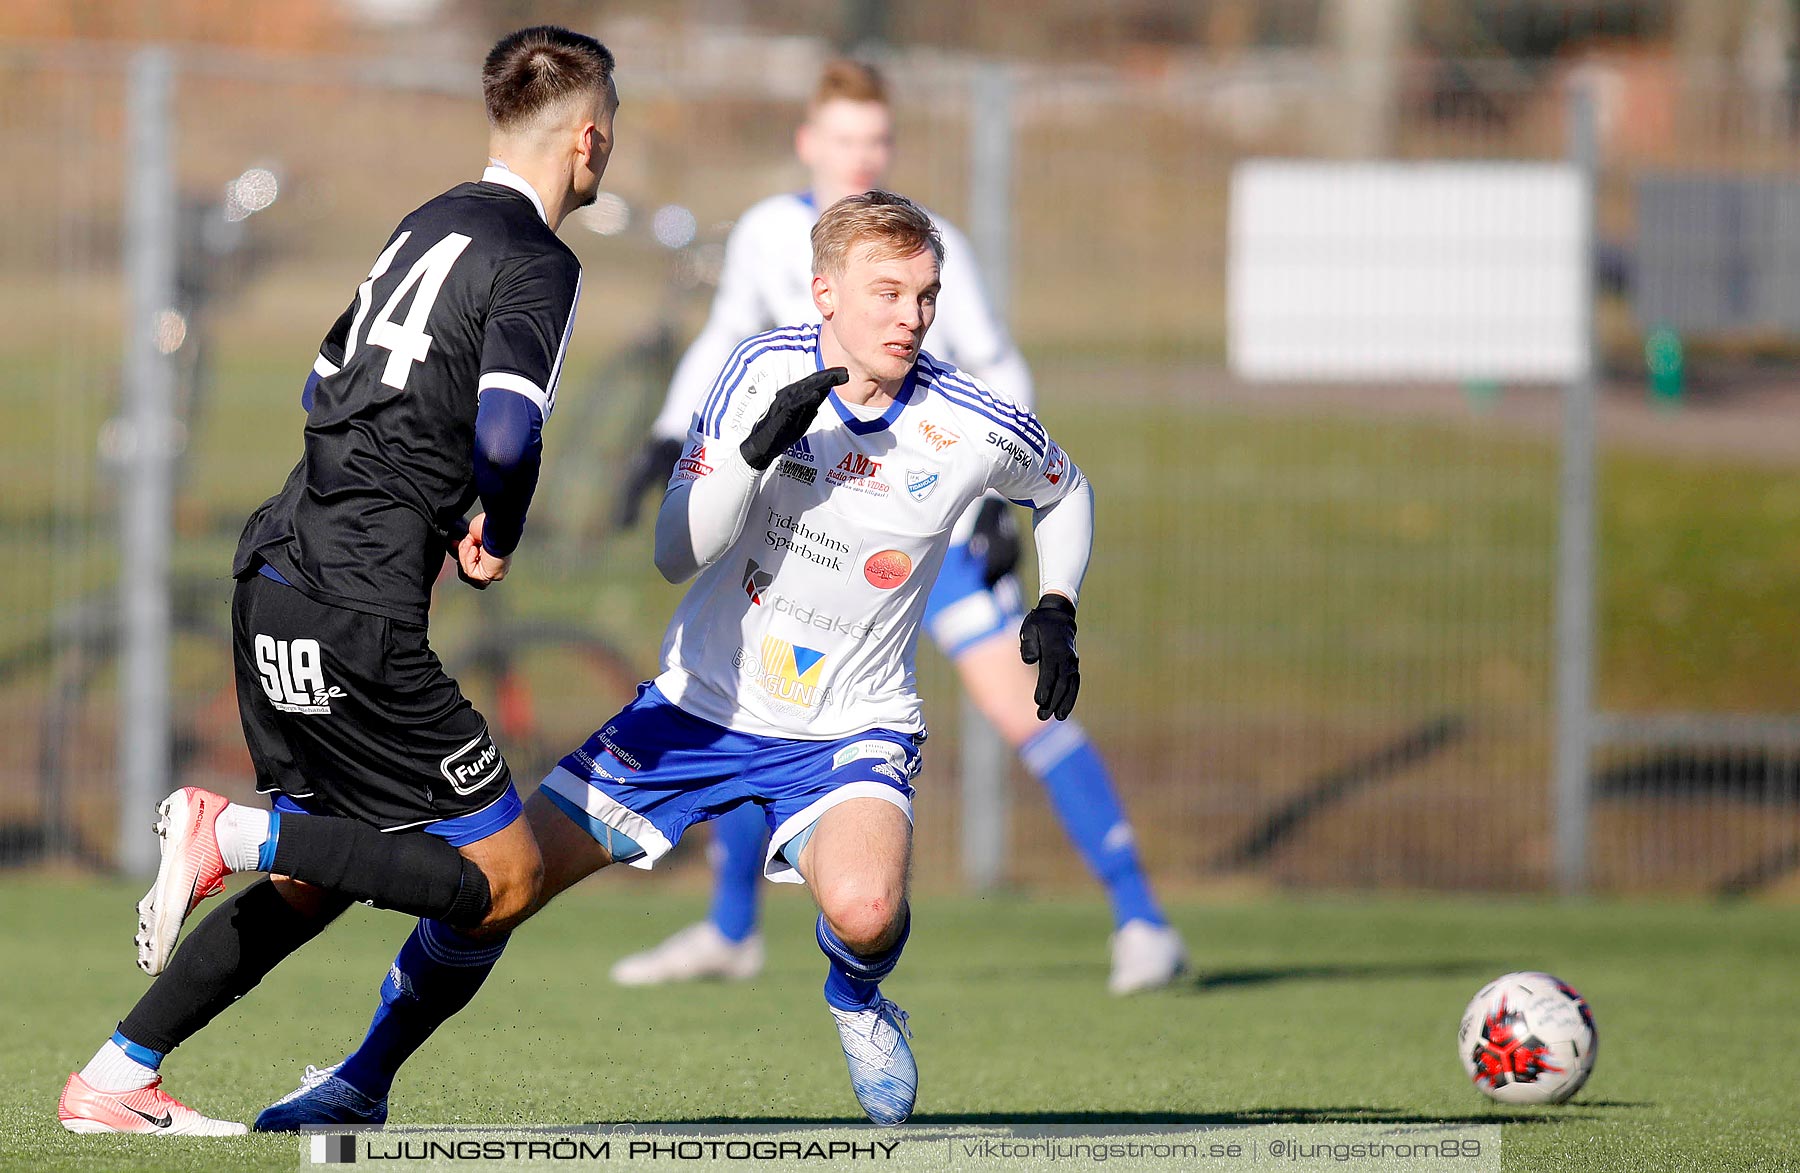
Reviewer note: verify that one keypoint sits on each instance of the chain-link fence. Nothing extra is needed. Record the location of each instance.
(1319, 635)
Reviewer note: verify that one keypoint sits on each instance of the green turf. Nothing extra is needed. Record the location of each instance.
(1309, 1011)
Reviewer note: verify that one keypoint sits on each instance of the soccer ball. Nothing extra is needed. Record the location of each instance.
(1528, 1038)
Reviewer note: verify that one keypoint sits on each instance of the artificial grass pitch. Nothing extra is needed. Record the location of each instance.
(1300, 1011)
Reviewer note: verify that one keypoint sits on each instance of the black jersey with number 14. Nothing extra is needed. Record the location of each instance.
(472, 293)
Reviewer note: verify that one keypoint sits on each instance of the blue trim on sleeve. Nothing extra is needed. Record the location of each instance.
(954, 383)
(712, 411)
(959, 390)
(270, 572)
(306, 392)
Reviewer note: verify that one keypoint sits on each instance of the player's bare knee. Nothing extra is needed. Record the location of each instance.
(864, 916)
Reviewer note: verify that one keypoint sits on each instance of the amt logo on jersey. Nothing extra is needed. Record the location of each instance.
(293, 675)
(858, 472)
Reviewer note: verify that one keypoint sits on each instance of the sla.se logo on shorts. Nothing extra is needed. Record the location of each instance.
(293, 675)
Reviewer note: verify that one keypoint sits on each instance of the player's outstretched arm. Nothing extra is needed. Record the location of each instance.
(704, 510)
(1064, 532)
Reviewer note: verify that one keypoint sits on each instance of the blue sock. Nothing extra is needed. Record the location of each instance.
(854, 983)
(436, 973)
(1081, 791)
(740, 837)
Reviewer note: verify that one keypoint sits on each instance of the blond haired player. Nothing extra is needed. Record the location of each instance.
(974, 607)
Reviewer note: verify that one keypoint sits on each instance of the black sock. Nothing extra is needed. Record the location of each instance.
(418, 874)
(220, 961)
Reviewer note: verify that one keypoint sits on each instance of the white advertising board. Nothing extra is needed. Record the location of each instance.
(1353, 271)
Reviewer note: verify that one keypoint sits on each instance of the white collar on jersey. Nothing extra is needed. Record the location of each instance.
(500, 173)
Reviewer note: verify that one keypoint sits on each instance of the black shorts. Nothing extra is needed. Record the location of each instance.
(352, 714)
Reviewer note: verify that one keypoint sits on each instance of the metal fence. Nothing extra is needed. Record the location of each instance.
(1320, 638)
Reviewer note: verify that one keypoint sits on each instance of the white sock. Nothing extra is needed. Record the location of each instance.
(241, 831)
(112, 1070)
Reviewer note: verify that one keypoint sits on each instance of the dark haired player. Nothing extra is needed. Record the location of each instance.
(428, 393)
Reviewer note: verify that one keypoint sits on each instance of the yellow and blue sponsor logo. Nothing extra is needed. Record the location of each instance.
(791, 673)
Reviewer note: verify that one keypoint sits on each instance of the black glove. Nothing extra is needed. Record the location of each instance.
(789, 416)
(649, 470)
(995, 540)
(1047, 639)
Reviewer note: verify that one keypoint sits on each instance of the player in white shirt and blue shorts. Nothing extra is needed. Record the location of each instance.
(974, 608)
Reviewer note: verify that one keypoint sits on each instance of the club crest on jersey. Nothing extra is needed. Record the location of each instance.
(858, 472)
(293, 675)
(1056, 465)
(756, 580)
(936, 435)
(473, 765)
(921, 483)
(788, 673)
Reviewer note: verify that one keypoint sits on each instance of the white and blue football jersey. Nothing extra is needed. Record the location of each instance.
(806, 626)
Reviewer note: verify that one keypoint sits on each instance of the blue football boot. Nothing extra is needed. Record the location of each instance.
(321, 1101)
